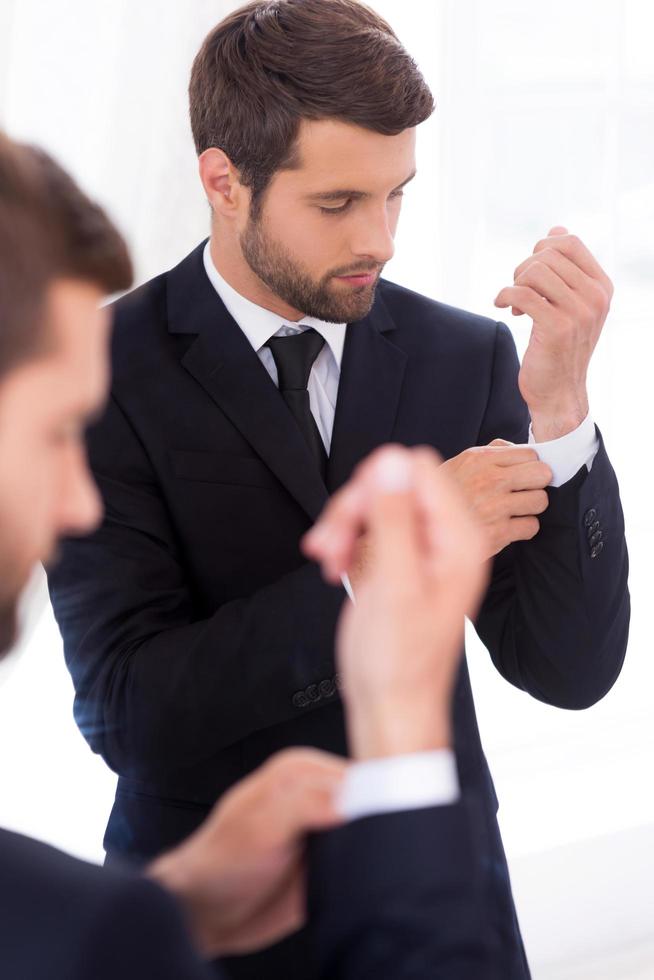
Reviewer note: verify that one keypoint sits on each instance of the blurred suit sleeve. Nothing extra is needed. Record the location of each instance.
(402, 896)
(64, 919)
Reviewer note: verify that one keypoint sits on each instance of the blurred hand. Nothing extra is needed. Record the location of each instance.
(360, 564)
(399, 645)
(240, 876)
(504, 486)
(567, 294)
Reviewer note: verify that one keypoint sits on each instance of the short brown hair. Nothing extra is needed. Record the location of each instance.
(273, 63)
(48, 229)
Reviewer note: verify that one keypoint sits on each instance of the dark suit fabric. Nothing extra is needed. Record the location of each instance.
(200, 641)
(63, 919)
(399, 896)
(404, 897)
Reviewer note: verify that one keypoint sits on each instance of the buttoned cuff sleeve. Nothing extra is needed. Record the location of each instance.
(400, 782)
(566, 456)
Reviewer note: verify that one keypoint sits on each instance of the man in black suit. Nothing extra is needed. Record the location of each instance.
(238, 882)
(248, 383)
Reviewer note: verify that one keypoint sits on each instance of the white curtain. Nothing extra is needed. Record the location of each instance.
(545, 116)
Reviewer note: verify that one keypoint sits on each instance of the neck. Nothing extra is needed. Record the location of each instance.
(237, 273)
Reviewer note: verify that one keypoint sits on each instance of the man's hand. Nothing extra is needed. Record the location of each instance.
(360, 561)
(504, 485)
(399, 645)
(567, 294)
(240, 876)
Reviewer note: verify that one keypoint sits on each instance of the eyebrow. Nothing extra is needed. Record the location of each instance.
(338, 195)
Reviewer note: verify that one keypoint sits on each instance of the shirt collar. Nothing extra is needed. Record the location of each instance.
(259, 324)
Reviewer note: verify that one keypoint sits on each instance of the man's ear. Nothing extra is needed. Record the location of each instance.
(221, 182)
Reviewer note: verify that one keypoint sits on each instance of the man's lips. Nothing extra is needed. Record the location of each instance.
(359, 278)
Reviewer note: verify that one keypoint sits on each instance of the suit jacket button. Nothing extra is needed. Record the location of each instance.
(300, 700)
(327, 688)
(590, 517)
(313, 693)
(596, 550)
(596, 538)
(593, 529)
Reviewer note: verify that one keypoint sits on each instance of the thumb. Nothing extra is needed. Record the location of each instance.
(501, 442)
(300, 792)
(557, 230)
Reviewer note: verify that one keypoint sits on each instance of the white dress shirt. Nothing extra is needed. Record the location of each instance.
(259, 325)
(404, 782)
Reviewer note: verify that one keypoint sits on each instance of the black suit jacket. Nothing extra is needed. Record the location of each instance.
(198, 638)
(397, 896)
(63, 919)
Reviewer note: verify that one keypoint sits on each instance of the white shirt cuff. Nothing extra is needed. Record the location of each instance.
(399, 782)
(566, 456)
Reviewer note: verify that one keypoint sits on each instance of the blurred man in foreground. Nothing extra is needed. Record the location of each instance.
(238, 883)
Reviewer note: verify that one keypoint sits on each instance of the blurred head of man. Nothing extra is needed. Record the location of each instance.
(303, 114)
(59, 255)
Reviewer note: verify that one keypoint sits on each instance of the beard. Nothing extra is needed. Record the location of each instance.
(289, 280)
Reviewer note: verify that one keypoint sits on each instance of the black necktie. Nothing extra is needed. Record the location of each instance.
(294, 357)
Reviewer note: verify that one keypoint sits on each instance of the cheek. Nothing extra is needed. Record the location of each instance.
(314, 241)
(25, 516)
(394, 211)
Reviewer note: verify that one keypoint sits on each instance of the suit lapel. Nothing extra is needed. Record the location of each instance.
(369, 392)
(222, 360)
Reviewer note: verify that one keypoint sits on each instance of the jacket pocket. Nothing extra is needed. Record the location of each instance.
(221, 468)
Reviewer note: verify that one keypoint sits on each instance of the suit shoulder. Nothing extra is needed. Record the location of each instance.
(40, 873)
(142, 305)
(81, 919)
(139, 331)
(411, 310)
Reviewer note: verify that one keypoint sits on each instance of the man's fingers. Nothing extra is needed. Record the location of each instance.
(547, 283)
(524, 300)
(333, 539)
(299, 793)
(394, 522)
(455, 541)
(525, 503)
(508, 455)
(577, 252)
(570, 273)
(529, 476)
(523, 528)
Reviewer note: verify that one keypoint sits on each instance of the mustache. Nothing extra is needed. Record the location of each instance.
(361, 268)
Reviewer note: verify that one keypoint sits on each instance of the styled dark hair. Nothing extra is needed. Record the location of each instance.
(273, 63)
(49, 229)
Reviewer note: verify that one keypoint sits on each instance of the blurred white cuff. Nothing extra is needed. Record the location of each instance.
(566, 456)
(399, 782)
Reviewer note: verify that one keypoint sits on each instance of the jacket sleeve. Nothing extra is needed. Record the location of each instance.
(402, 895)
(556, 617)
(138, 932)
(156, 684)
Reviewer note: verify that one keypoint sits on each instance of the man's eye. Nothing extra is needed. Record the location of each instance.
(396, 194)
(339, 210)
